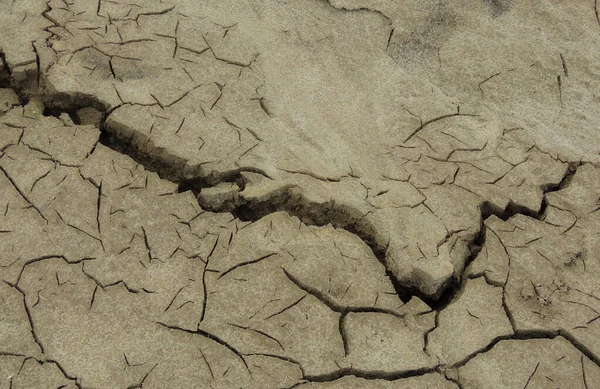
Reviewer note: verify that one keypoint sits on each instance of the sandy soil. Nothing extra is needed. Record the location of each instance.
(299, 194)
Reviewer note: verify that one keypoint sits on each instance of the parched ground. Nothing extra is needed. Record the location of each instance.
(312, 194)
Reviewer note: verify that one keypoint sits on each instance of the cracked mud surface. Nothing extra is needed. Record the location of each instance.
(283, 194)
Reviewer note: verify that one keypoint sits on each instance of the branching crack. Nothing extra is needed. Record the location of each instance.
(213, 338)
(326, 300)
(23, 195)
(29, 316)
(428, 122)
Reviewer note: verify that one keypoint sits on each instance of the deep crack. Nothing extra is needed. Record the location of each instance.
(291, 202)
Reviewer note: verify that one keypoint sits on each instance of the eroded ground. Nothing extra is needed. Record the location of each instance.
(299, 194)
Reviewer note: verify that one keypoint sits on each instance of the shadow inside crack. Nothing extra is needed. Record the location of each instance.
(172, 168)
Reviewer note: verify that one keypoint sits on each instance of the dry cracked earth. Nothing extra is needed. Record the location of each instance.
(311, 194)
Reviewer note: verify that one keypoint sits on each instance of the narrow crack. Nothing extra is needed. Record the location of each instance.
(140, 385)
(564, 183)
(213, 338)
(369, 375)
(335, 307)
(64, 373)
(23, 195)
(454, 380)
(428, 122)
(436, 324)
(245, 263)
(343, 333)
(581, 347)
(29, 317)
(524, 335)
